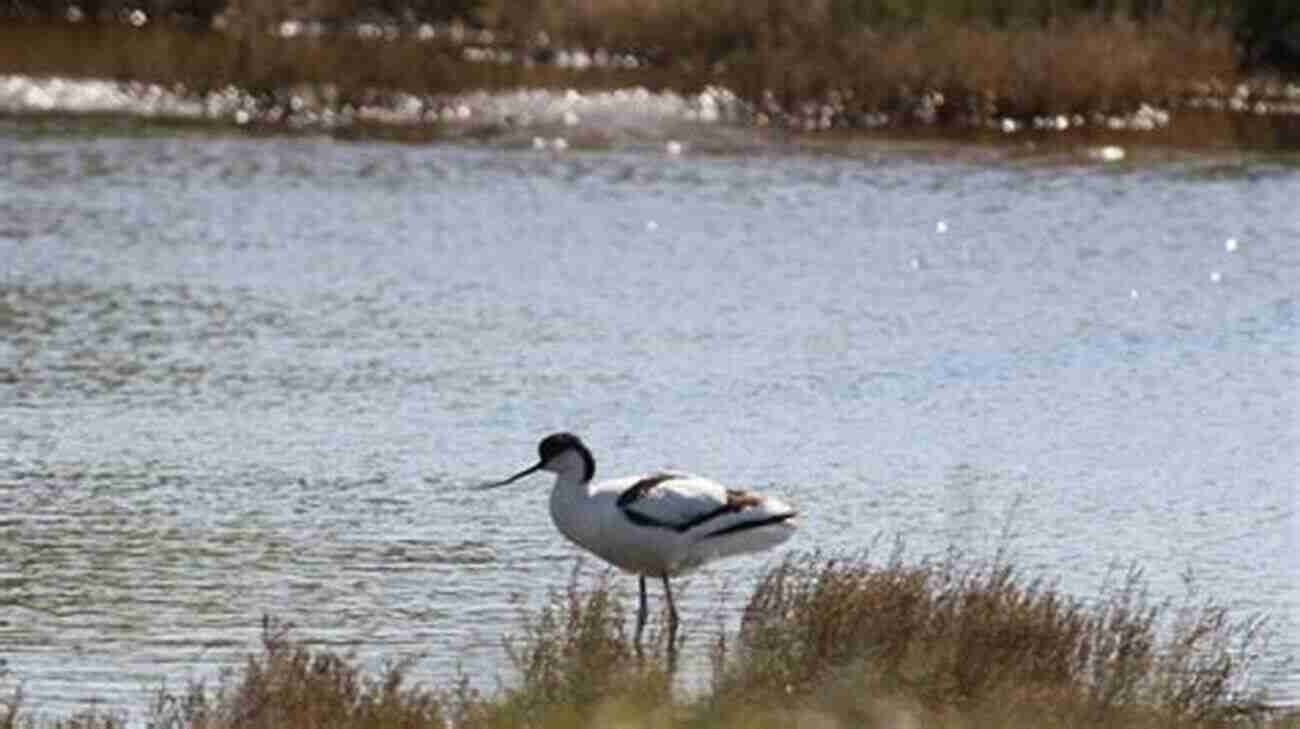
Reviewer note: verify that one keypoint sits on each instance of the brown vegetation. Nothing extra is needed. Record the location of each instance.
(208, 60)
(824, 642)
(1027, 63)
(831, 60)
(982, 640)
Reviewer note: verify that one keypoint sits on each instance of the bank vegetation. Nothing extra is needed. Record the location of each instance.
(824, 642)
(838, 62)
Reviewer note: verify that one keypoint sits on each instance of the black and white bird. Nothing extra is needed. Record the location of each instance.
(659, 524)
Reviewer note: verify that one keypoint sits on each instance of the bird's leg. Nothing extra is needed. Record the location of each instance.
(672, 627)
(640, 617)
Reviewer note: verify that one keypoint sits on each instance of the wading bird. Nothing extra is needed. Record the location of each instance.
(655, 525)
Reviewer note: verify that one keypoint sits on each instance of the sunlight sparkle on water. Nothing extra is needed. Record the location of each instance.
(1108, 153)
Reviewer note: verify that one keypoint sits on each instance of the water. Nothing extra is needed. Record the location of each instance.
(243, 376)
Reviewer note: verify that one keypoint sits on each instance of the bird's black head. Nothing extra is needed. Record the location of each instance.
(557, 443)
(552, 447)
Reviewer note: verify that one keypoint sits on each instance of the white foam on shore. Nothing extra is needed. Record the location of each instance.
(320, 107)
(633, 114)
(19, 94)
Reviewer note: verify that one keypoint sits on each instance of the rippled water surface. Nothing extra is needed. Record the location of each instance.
(244, 376)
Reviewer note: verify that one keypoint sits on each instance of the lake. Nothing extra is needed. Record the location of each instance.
(244, 376)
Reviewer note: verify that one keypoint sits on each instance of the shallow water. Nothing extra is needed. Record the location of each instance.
(257, 376)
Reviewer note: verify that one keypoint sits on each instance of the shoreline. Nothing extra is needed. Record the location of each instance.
(618, 71)
(713, 121)
(848, 641)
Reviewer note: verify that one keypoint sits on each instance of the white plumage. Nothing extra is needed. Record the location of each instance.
(658, 524)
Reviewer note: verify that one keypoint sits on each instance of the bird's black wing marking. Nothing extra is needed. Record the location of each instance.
(635, 492)
(643, 487)
(742, 526)
(736, 501)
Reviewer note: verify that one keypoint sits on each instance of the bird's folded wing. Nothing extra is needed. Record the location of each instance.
(680, 501)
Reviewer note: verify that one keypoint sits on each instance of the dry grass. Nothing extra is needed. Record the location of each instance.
(979, 640)
(263, 63)
(791, 53)
(807, 50)
(1083, 66)
(824, 642)
(289, 685)
(573, 661)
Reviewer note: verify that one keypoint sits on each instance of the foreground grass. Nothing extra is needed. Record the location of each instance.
(824, 642)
